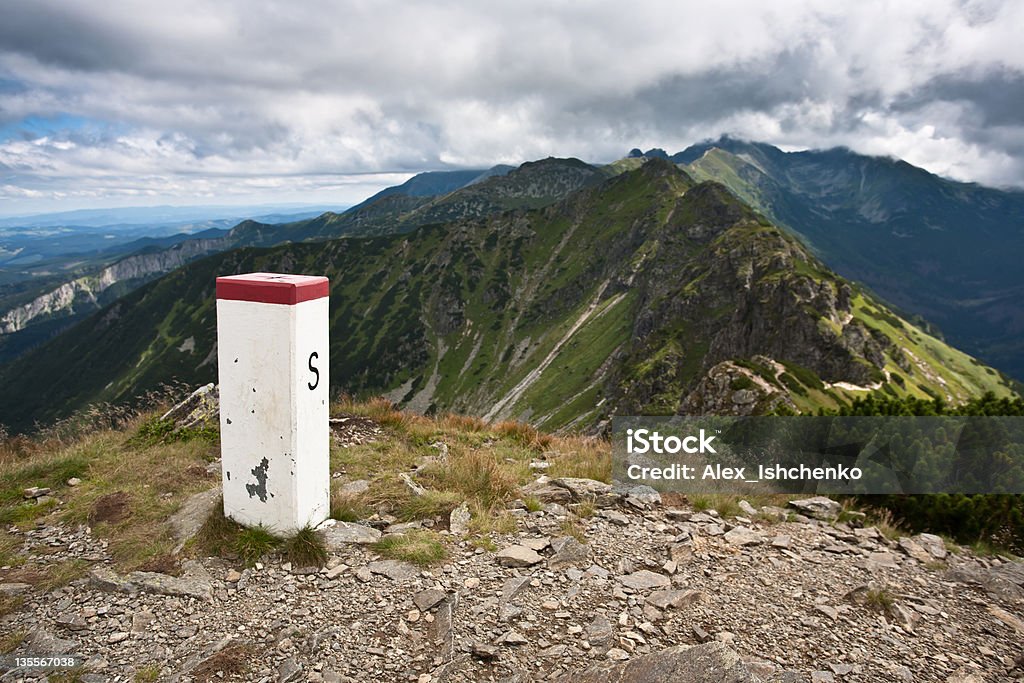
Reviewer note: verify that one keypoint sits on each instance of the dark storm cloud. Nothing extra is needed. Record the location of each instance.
(992, 99)
(200, 98)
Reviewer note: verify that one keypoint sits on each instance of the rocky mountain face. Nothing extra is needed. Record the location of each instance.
(86, 292)
(646, 292)
(946, 251)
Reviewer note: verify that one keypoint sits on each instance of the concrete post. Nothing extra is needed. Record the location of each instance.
(272, 346)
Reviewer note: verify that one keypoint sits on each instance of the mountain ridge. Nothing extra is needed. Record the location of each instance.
(627, 294)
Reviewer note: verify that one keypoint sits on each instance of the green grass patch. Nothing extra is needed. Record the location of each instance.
(421, 547)
(253, 543)
(305, 549)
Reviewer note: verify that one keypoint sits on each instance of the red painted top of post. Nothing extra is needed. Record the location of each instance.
(272, 288)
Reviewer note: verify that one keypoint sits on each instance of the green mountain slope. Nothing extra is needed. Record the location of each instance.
(646, 293)
(947, 251)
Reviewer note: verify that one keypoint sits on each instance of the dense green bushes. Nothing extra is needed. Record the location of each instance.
(996, 519)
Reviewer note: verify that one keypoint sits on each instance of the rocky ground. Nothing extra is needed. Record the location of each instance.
(602, 583)
(823, 601)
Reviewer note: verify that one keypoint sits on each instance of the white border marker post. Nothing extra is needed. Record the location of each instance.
(272, 346)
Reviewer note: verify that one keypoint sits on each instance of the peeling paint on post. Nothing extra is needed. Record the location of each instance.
(272, 347)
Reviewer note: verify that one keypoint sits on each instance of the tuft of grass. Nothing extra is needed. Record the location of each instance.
(585, 509)
(427, 506)
(983, 548)
(570, 526)
(493, 520)
(582, 457)
(67, 676)
(253, 543)
(533, 504)
(11, 641)
(420, 547)
(886, 524)
(223, 537)
(477, 475)
(485, 543)
(8, 605)
(233, 660)
(346, 508)
(154, 430)
(880, 599)
(523, 434)
(217, 534)
(452, 422)
(726, 505)
(148, 674)
(305, 549)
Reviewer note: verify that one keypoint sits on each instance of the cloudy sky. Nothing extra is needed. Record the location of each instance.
(134, 102)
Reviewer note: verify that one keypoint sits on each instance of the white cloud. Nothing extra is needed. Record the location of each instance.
(203, 97)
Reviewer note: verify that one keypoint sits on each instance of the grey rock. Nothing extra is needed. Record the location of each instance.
(512, 587)
(818, 507)
(394, 569)
(912, 549)
(193, 513)
(184, 586)
(289, 670)
(965, 675)
(428, 598)
(72, 622)
(747, 509)
(488, 653)
(583, 490)
(340, 534)
(202, 406)
(615, 517)
(741, 536)
(645, 580)
(537, 544)
(546, 493)
(568, 552)
(639, 495)
(933, 545)
(512, 638)
(458, 520)
(12, 589)
(600, 633)
(354, 488)
(888, 560)
(106, 579)
(517, 556)
(42, 642)
(675, 598)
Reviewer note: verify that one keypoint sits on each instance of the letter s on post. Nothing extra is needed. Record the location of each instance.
(312, 368)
